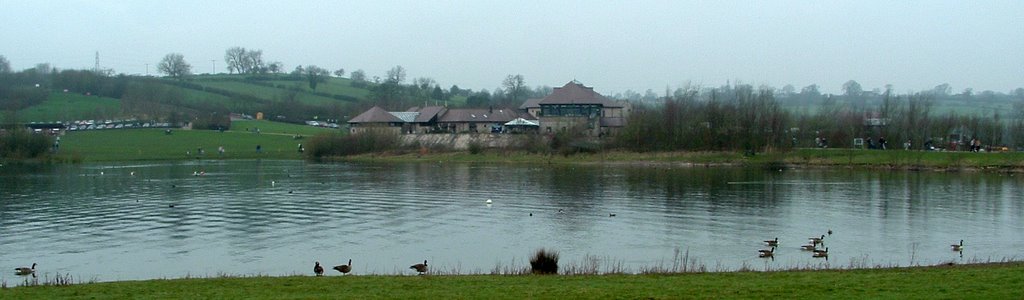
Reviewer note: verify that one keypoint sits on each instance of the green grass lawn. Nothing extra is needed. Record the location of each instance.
(153, 144)
(69, 107)
(990, 281)
(277, 141)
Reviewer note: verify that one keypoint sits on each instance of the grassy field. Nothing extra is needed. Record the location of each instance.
(989, 281)
(70, 106)
(277, 141)
(266, 92)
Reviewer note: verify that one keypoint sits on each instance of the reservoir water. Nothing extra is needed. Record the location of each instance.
(131, 221)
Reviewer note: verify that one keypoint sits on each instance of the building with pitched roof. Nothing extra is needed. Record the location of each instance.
(575, 107)
(570, 107)
(376, 119)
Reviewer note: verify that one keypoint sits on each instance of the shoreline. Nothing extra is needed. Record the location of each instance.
(894, 160)
(999, 280)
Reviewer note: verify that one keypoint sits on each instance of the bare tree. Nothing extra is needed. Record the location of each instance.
(5, 66)
(275, 67)
(396, 75)
(245, 61)
(174, 65)
(515, 86)
(235, 58)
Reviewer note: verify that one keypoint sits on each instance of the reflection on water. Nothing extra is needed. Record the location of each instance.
(115, 222)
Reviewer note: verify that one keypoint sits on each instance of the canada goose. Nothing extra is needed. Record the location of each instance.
(344, 269)
(611, 214)
(318, 270)
(809, 247)
(773, 243)
(817, 240)
(958, 247)
(25, 270)
(821, 253)
(422, 268)
(766, 252)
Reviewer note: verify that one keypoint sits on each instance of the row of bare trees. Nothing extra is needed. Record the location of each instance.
(742, 118)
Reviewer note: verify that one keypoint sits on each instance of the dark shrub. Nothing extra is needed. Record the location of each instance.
(544, 262)
(475, 147)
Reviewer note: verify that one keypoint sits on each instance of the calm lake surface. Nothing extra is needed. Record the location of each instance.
(114, 221)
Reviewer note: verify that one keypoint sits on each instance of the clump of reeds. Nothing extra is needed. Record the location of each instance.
(544, 262)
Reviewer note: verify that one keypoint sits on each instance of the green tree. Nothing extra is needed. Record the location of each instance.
(852, 88)
(316, 75)
(175, 66)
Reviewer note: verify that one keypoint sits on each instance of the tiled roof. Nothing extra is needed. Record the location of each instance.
(531, 103)
(574, 93)
(456, 115)
(429, 112)
(375, 115)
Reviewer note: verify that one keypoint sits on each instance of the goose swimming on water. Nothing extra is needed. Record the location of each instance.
(958, 247)
(25, 270)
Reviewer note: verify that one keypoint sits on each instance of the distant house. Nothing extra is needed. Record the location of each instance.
(577, 107)
(376, 119)
(531, 106)
(570, 107)
(437, 119)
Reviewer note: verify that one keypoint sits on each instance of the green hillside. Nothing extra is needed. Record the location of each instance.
(69, 106)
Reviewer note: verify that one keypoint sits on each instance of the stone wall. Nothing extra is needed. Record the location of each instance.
(460, 141)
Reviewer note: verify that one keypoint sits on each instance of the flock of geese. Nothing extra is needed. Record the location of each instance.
(813, 243)
(346, 268)
(812, 246)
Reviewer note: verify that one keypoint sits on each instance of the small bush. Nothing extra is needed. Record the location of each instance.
(475, 147)
(339, 144)
(544, 262)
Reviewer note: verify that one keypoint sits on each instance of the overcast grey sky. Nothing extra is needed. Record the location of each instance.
(610, 45)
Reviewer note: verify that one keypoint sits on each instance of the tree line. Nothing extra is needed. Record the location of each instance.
(752, 119)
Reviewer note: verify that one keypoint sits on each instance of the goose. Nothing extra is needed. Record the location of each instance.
(318, 270)
(421, 268)
(809, 247)
(344, 269)
(958, 247)
(817, 240)
(821, 253)
(766, 252)
(25, 270)
(611, 214)
(773, 243)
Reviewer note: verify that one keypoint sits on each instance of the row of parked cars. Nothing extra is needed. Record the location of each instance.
(114, 124)
(323, 124)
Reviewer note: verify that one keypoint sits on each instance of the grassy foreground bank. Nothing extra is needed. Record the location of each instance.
(986, 281)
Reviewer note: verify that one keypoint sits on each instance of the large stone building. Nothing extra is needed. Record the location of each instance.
(575, 107)
(572, 107)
